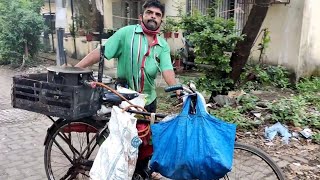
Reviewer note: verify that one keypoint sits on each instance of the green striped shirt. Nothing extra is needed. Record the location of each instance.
(130, 45)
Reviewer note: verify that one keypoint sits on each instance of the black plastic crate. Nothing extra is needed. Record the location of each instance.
(32, 92)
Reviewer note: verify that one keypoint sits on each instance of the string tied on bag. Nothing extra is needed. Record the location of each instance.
(143, 132)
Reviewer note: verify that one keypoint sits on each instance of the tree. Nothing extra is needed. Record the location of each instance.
(251, 29)
(20, 27)
(88, 17)
(214, 39)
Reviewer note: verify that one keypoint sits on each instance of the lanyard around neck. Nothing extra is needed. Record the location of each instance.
(142, 78)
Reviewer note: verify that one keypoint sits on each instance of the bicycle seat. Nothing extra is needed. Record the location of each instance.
(113, 99)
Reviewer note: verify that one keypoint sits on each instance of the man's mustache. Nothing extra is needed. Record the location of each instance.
(151, 20)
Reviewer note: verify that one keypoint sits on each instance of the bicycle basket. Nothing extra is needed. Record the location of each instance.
(34, 93)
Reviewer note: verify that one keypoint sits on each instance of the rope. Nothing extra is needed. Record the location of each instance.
(125, 17)
(93, 85)
(146, 130)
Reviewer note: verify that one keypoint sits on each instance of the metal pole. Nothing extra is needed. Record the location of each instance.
(51, 24)
(61, 51)
(61, 22)
(74, 33)
(101, 62)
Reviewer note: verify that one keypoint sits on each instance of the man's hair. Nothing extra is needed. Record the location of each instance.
(154, 3)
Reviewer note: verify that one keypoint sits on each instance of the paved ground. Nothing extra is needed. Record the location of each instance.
(21, 137)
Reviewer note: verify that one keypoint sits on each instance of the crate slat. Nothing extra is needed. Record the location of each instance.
(32, 92)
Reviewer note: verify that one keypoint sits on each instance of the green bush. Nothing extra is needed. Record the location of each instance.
(247, 102)
(265, 75)
(233, 115)
(214, 39)
(310, 89)
(308, 85)
(294, 111)
(20, 27)
(316, 138)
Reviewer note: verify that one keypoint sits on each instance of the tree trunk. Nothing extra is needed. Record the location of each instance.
(251, 29)
(25, 55)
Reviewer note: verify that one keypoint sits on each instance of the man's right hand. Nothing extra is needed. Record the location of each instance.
(92, 58)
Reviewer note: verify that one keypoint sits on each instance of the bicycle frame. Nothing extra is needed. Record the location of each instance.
(61, 130)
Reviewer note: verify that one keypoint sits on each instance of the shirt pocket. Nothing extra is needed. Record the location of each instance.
(152, 66)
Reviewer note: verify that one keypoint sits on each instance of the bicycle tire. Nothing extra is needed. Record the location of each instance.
(67, 158)
(246, 165)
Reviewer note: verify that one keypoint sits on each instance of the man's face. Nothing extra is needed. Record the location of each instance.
(152, 17)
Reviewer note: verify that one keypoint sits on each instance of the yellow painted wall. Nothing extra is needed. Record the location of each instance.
(84, 47)
(294, 32)
(309, 58)
(295, 37)
(46, 9)
(171, 11)
(108, 21)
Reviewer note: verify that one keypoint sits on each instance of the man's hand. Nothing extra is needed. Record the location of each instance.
(178, 93)
(92, 58)
(169, 77)
(67, 65)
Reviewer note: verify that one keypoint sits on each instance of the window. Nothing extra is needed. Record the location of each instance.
(201, 5)
(50, 21)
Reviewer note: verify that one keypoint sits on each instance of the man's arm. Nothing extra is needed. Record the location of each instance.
(169, 77)
(92, 58)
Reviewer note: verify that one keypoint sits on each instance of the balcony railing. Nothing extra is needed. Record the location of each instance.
(264, 1)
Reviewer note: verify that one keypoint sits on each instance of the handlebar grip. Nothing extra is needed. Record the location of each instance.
(175, 95)
(173, 88)
(91, 84)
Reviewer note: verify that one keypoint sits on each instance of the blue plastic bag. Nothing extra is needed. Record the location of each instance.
(193, 146)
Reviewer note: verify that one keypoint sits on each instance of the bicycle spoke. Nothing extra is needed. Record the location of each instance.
(63, 168)
(88, 143)
(60, 163)
(85, 174)
(68, 141)
(80, 141)
(61, 149)
(72, 176)
(251, 163)
(67, 175)
(92, 149)
(94, 138)
(70, 149)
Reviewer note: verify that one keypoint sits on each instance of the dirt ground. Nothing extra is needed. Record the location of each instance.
(299, 159)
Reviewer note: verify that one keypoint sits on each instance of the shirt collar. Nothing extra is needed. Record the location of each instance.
(139, 30)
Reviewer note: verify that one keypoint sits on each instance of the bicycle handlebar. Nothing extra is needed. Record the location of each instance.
(175, 95)
(173, 88)
(146, 113)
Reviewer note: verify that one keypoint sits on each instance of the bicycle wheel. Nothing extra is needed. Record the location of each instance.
(250, 162)
(71, 148)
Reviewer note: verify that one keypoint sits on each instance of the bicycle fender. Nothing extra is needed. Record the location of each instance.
(50, 130)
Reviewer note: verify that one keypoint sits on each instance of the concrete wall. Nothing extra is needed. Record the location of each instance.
(171, 11)
(84, 47)
(46, 9)
(294, 41)
(294, 33)
(309, 54)
(108, 19)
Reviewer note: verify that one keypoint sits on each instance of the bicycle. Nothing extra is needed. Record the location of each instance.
(66, 158)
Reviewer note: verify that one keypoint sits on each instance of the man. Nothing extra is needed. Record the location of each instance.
(141, 53)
